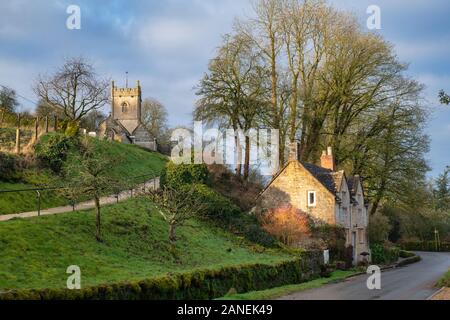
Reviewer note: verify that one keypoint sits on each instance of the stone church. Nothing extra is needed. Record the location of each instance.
(124, 123)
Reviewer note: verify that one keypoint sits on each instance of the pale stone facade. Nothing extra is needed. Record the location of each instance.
(124, 124)
(324, 194)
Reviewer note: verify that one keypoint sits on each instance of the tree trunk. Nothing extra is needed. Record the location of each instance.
(247, 158)
(239, 154)
(172, 233)
(98, 219)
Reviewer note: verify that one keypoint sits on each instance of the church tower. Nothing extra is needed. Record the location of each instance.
(126, 106)
(124, 124)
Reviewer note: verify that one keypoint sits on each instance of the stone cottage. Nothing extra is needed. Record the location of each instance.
(124, 123)
(327, 195)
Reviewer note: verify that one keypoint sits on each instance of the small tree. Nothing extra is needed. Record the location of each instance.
(8, 102)
(288, 224)
(177, 207)
(442, 191)
(89, 177)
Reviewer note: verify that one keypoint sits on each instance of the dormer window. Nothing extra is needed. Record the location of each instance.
(312, 201)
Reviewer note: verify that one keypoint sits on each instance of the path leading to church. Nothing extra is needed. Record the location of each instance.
(149, 185)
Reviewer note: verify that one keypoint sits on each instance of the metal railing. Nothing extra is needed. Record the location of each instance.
(133, 183)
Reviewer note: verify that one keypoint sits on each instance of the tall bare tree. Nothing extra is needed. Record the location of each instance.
(232, 91)
(154, 117)
(74, 88)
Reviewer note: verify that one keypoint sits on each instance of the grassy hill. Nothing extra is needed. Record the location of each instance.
(35, 253)
(135, 162)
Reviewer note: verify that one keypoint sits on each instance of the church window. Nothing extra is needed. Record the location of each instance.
(125, 107)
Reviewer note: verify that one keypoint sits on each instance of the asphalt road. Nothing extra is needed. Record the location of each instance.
(413, 282)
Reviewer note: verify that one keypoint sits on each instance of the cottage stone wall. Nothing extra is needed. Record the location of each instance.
(292, 187)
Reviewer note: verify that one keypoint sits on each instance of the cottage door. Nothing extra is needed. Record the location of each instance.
(354, 246)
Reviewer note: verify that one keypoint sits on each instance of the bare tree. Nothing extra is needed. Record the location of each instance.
(154, 117)
(43, 109)
(74, 88)
(89, 177)
(233, 89)
(177, 207)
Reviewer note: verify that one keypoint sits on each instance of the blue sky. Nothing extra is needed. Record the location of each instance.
(167, 45)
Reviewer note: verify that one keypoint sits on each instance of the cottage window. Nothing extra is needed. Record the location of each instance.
(311, 198)
(361, 236)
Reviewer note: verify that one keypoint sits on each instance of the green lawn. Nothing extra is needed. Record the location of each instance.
(36, 252)
(445, 280)
(275, 293)
(134, 162)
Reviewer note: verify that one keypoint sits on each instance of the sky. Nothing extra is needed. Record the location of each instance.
(167, 46)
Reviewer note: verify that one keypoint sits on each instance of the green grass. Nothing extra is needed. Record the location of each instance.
(278, 292)
(36, 252)
(134, 162)
(445, 280)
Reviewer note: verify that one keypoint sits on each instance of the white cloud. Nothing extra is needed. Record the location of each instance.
(169, 34)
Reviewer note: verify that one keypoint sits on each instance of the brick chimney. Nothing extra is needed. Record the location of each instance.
(294, 148)
(327, 160)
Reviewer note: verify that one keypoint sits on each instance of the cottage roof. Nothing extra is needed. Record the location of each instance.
(324, 176)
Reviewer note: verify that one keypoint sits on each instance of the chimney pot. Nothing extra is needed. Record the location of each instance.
(327, 160)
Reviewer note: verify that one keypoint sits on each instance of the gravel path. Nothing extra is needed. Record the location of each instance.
(151, 184)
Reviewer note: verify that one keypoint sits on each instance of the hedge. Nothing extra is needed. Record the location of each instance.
(424, 246)
(409, 260)
(175, 176)
(201, 285)
(384, 254)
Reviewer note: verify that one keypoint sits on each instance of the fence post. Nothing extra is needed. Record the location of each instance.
(36, 128)
(39, 202)
(18, 135)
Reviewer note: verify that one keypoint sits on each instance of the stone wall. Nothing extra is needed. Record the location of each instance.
(291, 187)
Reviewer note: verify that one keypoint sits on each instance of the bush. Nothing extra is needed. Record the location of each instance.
(202, 284)
(288, 224)
(52, 151)
(384, 253)
(406, 254)
(334, 238)
(8, 167)
(379, 228)
(424, 246)
(175, 176)
(223, 213)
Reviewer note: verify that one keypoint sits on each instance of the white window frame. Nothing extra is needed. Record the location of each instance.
(314, 204)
